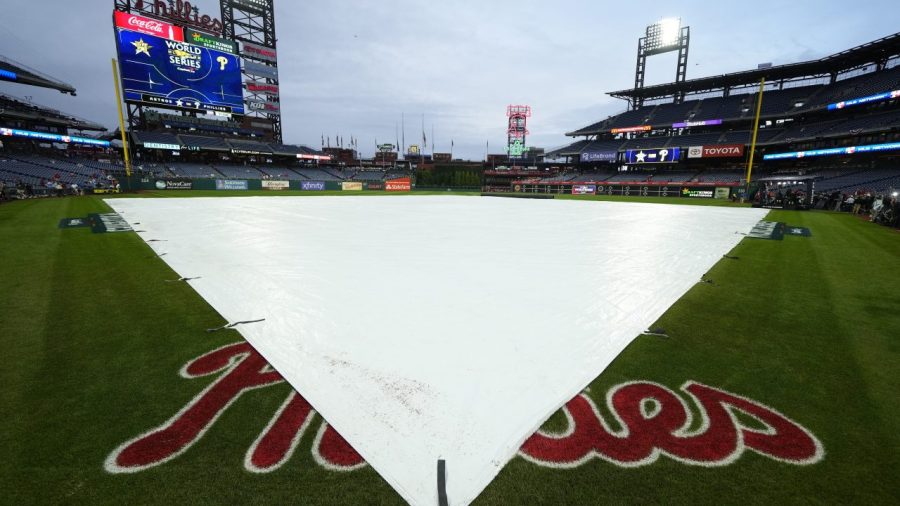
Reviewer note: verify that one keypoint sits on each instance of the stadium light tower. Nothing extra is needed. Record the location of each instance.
(664, 36)
(518, 129)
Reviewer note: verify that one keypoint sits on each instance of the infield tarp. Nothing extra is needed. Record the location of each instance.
(438, 327)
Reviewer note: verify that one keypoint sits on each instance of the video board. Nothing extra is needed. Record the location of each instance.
(168, 72)
(642, 156)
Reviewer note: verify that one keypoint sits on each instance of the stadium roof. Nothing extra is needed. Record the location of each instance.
(875, 51)
(21, 109)
(16, 72)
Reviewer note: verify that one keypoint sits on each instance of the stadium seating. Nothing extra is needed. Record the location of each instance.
(859, 86)
(719, 177)
(156, 137)
(319, 175)
(193, 170)
(368, 176)
(694, 139)
(209, 143)
(279, 173)
(239, 172)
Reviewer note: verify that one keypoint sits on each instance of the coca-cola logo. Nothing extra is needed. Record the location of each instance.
(654, 422)
(146, 24)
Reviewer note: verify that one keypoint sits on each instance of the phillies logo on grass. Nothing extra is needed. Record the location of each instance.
(652, 421)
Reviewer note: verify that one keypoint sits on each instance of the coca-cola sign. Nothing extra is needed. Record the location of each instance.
(149, 26)
(655, 422)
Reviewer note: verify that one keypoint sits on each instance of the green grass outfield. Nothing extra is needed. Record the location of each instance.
(93, 340)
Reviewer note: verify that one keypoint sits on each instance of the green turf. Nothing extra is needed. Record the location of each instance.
(94, 339)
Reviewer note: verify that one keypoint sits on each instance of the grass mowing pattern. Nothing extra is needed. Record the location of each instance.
(94, 339)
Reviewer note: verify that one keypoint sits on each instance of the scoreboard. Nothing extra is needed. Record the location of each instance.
(163, 72)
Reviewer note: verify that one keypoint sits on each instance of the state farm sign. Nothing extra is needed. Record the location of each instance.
(402, 184)
(149, 26)
(719, 151)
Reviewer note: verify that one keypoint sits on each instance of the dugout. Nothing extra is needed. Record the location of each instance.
(785, 192)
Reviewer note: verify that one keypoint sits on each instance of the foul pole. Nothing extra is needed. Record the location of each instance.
(115, 68)
(762, 85)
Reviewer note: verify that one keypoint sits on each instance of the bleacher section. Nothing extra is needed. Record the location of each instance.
(205, 143)
(785, 102)
(319, 175)
(280, 173)
(239, 172)
(193, 170)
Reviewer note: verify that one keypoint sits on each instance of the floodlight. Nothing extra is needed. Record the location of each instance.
(894, 194)
(669, 31)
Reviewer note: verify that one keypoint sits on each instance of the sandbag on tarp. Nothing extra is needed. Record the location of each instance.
(429, 328)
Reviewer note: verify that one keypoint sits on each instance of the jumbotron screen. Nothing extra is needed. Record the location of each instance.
(169, 73)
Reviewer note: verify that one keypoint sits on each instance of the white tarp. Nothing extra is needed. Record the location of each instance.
(426, 328)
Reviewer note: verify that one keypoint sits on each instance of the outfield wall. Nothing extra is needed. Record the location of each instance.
(685, 190)
(179, 184)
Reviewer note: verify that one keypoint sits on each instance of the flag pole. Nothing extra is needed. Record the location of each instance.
(115, 69)
(762, 85)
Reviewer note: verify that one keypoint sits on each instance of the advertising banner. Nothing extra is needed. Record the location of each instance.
(209, 42)
(268, 89)
(259, 52)
(262, 105)
(302, 156)
(698, 193)
(689, 124)
(642, 156)
(888, 95)
(313, 186)
(148, 26)
(852, 150)
(723, 151)
(695, 152)
(402, 184)
(166, 147)
(375, 186)
(260, 70)
(584, 189)
(599, 156)
(231, 184)
(45, 136)
(168, 184)
(351, 186)
(643, 128)
(723, 193)
(277, 185)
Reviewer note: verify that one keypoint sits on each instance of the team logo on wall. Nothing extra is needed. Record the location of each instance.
(654, 422)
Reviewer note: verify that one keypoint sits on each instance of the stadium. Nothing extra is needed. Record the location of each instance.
(694, 300)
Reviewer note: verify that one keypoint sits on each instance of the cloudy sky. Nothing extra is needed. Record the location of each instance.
(352, 67)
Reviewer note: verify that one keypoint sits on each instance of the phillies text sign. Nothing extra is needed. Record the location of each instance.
(654, 422)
